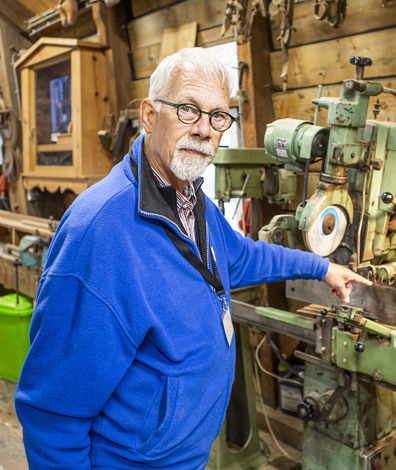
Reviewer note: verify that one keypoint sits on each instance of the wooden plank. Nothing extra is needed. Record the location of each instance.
(140, 89)
(177, 38)
(148, 29)
(146, 59)
(211, 37)
(327, 62)
(143, 7)
(297, 104)
(39, 6)
(362, 15)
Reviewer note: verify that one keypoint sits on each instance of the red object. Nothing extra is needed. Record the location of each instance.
(3, 185)
(245, 219)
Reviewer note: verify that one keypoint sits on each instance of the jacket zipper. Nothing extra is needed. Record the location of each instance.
(158, 216)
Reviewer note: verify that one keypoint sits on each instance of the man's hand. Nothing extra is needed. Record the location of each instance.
(341, 280)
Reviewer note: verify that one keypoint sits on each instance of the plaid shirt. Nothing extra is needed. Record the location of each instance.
(185, 204)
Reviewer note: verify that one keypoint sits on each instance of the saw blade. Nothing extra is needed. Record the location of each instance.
(326, 231)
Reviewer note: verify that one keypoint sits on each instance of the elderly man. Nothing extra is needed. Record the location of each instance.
(132, 357)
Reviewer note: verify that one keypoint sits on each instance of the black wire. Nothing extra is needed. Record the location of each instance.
(278, 354)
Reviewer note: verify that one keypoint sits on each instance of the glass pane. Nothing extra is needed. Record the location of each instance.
(53, 102)
(55, 158)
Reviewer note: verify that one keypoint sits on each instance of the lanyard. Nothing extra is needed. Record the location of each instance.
(213, 279)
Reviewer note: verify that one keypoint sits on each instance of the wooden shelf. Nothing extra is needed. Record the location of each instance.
(58, 147)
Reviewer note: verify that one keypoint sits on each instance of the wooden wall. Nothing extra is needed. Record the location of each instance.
(319, 54)
(152, 18)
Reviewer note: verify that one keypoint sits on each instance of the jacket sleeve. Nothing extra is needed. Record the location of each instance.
(255, 262)
(79, 352)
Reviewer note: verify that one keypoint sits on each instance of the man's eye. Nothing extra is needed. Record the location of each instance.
(187, 109)
(218, 116)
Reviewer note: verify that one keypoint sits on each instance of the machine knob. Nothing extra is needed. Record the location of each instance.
(323, 312)
(387, 198)
(306, 411)
(360, 347)
(364, 61)
(360, 63)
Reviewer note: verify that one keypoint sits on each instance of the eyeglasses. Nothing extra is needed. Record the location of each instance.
(190, 114)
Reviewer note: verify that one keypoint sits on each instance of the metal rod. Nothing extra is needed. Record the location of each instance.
(305, 187)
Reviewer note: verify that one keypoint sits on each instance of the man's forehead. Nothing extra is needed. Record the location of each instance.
(193, 87)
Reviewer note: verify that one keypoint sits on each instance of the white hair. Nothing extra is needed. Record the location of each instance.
(193, 59)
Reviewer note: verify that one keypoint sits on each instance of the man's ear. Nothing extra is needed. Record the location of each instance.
(147, 115)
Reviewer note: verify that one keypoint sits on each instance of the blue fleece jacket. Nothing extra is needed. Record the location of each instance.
(129, 366)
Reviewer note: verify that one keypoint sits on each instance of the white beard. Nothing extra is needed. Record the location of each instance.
(187, 167)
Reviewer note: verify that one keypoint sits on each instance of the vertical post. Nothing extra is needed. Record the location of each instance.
(258, 110)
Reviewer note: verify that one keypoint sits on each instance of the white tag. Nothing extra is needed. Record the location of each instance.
(227, 324)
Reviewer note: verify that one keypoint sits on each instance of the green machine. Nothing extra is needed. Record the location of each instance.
(349, 405)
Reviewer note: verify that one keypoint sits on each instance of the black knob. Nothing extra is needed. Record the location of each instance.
(357, 60)
(323, 312)
(387, 198)
(305, 411)
(360, 347)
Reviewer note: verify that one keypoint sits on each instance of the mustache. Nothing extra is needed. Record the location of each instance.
(186, 143)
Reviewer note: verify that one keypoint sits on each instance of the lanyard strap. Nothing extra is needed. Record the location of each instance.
(213, 279)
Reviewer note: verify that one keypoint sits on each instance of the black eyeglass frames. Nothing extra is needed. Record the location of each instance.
(190, 113)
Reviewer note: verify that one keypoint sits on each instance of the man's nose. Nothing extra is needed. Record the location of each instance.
(202, 127)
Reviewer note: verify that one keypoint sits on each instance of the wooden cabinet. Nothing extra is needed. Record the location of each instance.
(64, 98)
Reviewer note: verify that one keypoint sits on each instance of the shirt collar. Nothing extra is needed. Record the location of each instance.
(185, 200)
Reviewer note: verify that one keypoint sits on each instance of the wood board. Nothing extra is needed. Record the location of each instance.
(146, 59)
(177, 38)
(327, 62)
(147, 30)
(362, 15)
(298, 104)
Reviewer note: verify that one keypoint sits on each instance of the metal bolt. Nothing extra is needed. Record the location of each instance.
(344, 360)
(323, 349)
(345, 343)
(306, 332)
(333, 338)
(332, 355)
(320, 337)
(324, 321)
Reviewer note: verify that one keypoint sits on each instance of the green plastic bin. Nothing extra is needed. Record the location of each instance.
(14, 334)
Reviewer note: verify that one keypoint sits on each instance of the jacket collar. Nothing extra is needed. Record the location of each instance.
(160, 203)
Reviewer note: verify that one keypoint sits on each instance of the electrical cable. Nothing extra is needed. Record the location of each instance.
(284, 379)
(257, 377)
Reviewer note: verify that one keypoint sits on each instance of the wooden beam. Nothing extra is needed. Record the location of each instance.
(258, 110)
(112, 31)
